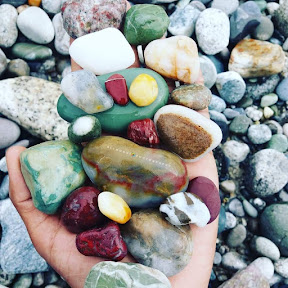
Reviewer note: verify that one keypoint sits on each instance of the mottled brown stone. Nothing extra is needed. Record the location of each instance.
(182, 136)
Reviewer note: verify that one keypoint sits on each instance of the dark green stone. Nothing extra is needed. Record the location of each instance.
(240, 124)
(145, 23)
(117, 119)
(29, 51)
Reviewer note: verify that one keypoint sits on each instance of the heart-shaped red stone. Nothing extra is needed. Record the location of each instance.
(116, 86)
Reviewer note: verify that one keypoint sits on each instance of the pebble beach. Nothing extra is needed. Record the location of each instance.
(241, 48)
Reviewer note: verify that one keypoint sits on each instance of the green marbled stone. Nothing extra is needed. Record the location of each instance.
(278, 142)
(145, 23)
(117, 119)
(52, 170)
(29, 51)
(269, 100)
(125, 275)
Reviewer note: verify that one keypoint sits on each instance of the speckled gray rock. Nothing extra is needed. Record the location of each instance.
(209, 71)
(3, 62)
(4, 188)
(281, 18)
(265, 247)
(240, 124)
(146, 236)
(236, 236)
(230, 86)
(281, 267)
(17, 253)
(231, 221)
(182, 21)
(259, 134)
(233, 261)
(267, 172)
(62, 39)
(265, 266)
(8, 27)
(235, 206)
(212, 31)
(18, 67)
(31, 102)
(274, 225)
(217, 104)
(24, 281)
(9, 132)
(51, 6)
(247, 278)
(264, 30)
(227, 7)
(236, 151)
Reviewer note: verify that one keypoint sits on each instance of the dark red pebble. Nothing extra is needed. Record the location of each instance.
(103, 242)
(80, 211)
(206, 190)
(143, 132)
(116, 86)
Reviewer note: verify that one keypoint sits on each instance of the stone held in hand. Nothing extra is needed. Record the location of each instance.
(186, 132)
(82, 17)
(102, 52)
(175, 57)
(80, 211)
(143, 177)
(156, 243)
(83, 90)
(185, 208)
(114, 207)
(103, 242)
(116, 86)
(145, 23)
(255, 58)
(108, 272)
(52, 170)
(143, 132)
(143, 90)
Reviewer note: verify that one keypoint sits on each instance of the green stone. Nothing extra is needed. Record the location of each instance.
(125, 275)
(29, 51)
(52, 170)
(145, 23)
(278, 142)
(269, 100)
(275, 109)
(240, 124)
(245, 102)
(117, 119)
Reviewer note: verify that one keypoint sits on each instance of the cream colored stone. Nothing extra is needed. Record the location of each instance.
(255, 58)
(175, 57)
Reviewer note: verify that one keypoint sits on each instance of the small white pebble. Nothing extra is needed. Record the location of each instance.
(83, 125)
(268, 112)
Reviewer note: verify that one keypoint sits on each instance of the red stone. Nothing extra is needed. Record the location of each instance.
(103, 242)
(205, 189)
(80, 211)
(116, 86)
(143, 132)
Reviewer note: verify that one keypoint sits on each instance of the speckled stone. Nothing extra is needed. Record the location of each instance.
(278, 142)
(236, 236)
(62, 39)
(267, 172)
(265, 247)
(217, 104)
(17, 253)
(31, 102)
(281, 267)
(236, 151)
(240, 124)
(259, 134)
(281, 18)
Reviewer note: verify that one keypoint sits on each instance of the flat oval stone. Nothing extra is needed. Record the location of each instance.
(9, 132)
(194, 96)
(145, 23)
(116, 86)
(206, 190)
(102, 52)
(117, 119)
(143, 177)
(108, 273)
(52, 170)
(62, 39)
(143, 90)
(156, 243)
(175, 57)
(29, 51)
(186, 132)
(255, 58)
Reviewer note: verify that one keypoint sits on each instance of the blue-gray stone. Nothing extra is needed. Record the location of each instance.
(217, 116)
(236, 207)
(282, 90)
(259, 134)
(217, 62)
(15, 3)
(222, 220)
(17, 253)
(24, 281)
(227, 7)
(232, 113)
(224, 128)
(278, 142)
(209, 71)
(264, 30)
(9, 132)
(4, 188)
(217, 104)
(231, 221)
(281, 18)
(240, 124)
(236, 236)
(244, 20)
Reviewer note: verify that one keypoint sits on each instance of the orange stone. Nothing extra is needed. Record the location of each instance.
(34, 2)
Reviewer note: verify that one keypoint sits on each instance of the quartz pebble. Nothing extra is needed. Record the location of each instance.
(265, 247)
(185, 208)
(189, 128)
(236, 151)
(114, 207)
(175, 57)
(259, 134)
(212, 31)
(83, 90)
(231, 221)
(116, 86)
(102, 52)
(253, 113)
(9, 132)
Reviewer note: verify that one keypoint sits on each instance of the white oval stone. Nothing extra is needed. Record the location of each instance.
(36, 25)
(102, 52)
(62, 39)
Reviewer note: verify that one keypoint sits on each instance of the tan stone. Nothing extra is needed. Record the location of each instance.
(175, 57)
(255, 58)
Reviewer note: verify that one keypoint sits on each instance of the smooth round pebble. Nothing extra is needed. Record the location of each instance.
(232, 113)
(217, 258)
(265, 266)
(227, 7)
(228, 186)
(51, 6)
(235, 206)
(282, 90)
(233, 261)
(281, 267)
(265, 247)
(18, 67)
(264, 30)
(231, 221)
(269, 100)
(250, 209)
(240, 124)
(24, 281)
(217, 116)
(217, 104)
(9, 133)
(62, 39)
(236, 236)
(259, 134)
(208, 70)
(236, 151)
(4, 188)
(278, 142)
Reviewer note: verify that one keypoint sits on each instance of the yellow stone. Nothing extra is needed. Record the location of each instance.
(143, 90)
(34, 2)
(114, 207)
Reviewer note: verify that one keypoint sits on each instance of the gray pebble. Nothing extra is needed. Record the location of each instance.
(259, 134)
(281, 18)
(231, 221)
(4, 188)
(265, 266)
(197, 4)
(24, 281)
(228, 186)
(38, 279)
(209, 71)
(240, 124)
(250, 209)
(3, 62)
(226, 7)
(5, 278)
(264, 30)
(282, 90)
(283, 196)
(217, 104)
(217, 258)
(52, 6)
(278, 142)
(3, 165)
(236, 236)
(235, 206)
(281, 267)
(265, 247)
(232, 113)
(285, 45)
(274, 126)
(233, 261)
(18, 67)
(9, 132)
(217, 116)
(272, 7)
(269, 100)
(236, 151)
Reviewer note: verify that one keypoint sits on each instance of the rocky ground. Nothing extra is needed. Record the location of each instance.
(249, 103)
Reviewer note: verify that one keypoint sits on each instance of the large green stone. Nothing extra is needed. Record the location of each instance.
(117, 119)
(29, 51)
(145, 23)
(125, 275)
(52, 170)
